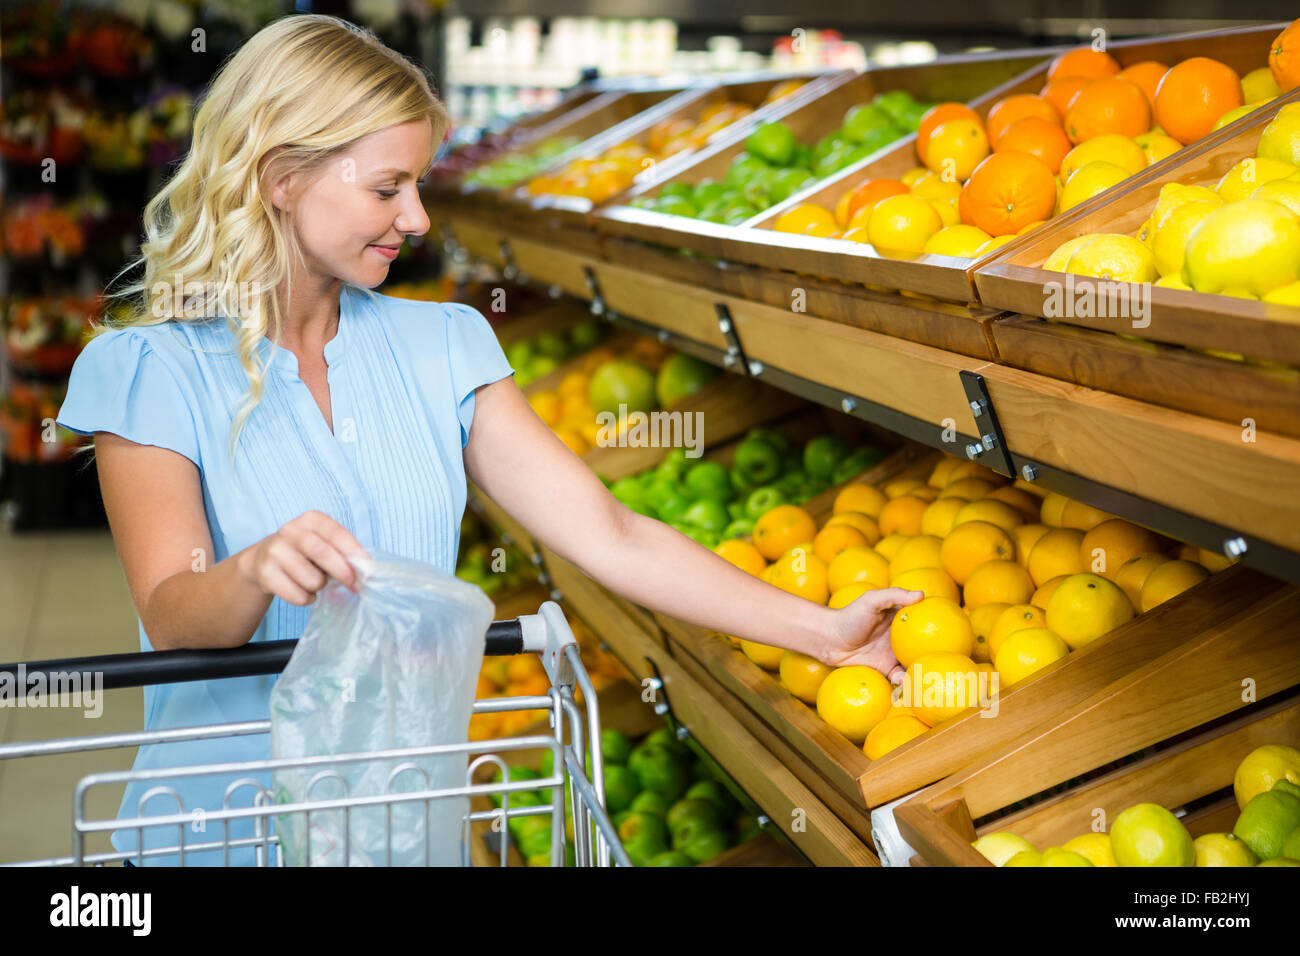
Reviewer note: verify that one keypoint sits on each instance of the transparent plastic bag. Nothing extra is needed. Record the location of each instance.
(393, 666)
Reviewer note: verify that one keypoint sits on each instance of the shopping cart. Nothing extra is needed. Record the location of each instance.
(545, 633)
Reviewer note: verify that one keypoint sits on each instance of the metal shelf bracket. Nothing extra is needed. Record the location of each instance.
(991, 444)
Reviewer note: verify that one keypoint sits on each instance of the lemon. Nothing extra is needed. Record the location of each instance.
(1168, 580)
(1169, 238)
(1231, 116)
(914, 176)
(1172, 282)
(1149, 835)
(1093, 847)
(1281, 138)
(1252, 245)
(997, 242)
(1086, 606)
(1248, 175)
(1288, 294)
(1089, 180)
(1222, 849)
(1113, 148)
(956, 240)
(902, 224)
(1263, 767)
(1173, 195)
(934, 186)
(947, 211)
(1156, 146)
(1025, 858)
(997, 848)
(1259, 85)
(1027, 651)
(1113, 256)
(1284, 191)
(1058, 260)
(1059, 856)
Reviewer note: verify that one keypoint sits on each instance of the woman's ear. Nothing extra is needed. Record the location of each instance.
(281, 183)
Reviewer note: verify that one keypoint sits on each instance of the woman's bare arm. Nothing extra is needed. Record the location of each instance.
(524, 468)
(154, 501)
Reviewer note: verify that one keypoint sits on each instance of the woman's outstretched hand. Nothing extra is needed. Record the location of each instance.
(862, 632)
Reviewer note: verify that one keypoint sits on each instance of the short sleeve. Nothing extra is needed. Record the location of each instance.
(476, 359)
(119, 384)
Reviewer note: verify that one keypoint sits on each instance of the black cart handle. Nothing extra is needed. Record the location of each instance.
(174, 667)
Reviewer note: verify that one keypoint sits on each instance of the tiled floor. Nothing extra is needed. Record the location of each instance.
(61, 595)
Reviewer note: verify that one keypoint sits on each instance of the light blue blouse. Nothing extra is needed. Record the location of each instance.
(402, 376)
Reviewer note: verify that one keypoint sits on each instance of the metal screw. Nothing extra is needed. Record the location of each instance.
(848, 404)
(535, 559)
(683, 733)
(764, 820)
(1234, 547)
(554, 291)
(661, 708)
(755, 368)
(655, 683)
(663, 335)
(597, 307)
(1029, 472)
(973, 450)
(989, 441)
(724, 325)
(557, 595)
(729, 359)
(977, 407)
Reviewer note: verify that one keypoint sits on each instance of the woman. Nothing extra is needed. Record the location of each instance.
(263, 414)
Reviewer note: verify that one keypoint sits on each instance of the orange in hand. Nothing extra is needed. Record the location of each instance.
(1084, 61)
(1013, 108)
(1008, 191)
(1193, 95)
(1037, 137)
(1113, 105)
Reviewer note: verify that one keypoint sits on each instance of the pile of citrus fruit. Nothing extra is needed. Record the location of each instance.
(602, 177)
(1013, 580)
(985, 180)
(1240, 237)
(515, 167)
(1267, 831)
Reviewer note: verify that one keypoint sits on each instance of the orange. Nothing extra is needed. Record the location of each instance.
(998, 582)
(833, 539)
(573, 439)
(1084, 607)
(857, 566)
(902, 486)
(743, 555)
(973, 469)
(764, 655)
(1039, 138)
(842, 210)
(799, 218)
(1193, 95)
(932, 624)
(1082, 516)
(1112, 105)
(1027, 652)
(853, 700)
(859, 497)
(847, 595)
(1133, 573)
(1017, 617)
(1052, 508)
(982, 620)
(891, 733)
(941, 685)
(802, 675)
(970, 545)
(1055, 553)
(1028, 505)
(888, 546)
(1169, 579)
(872, 191)
(1061, 92)
(1146, 76)
(955, 149)
(1284, 58)
(920, 551)
(524, 667)
(666, 130)
(968, 488)
(932, 582)
(781, 529)
(938, 518)
(991, 510)
(801, 572)
(940, 476)
(1046, 590)
(1083, 61)
(902, 515)
(1108, 545)
(936, 116)
(607, 184)
(547, 405)
(1008, 191)
(902, 224)
(1025, 537)
(856, 519)
(1011, 110)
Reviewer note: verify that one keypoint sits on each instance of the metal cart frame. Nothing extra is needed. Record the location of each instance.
(545, 633)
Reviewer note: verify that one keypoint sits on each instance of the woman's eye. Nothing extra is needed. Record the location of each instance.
(387, 194)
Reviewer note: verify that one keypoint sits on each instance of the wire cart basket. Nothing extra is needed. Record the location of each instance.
(546, 633)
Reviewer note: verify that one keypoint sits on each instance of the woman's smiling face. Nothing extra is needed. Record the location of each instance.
(352, 219)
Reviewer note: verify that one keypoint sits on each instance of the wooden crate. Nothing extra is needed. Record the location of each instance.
(1017, 282)
(1195, 770)
(749, 89)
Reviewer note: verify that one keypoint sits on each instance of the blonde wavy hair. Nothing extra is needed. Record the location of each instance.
(305, 87)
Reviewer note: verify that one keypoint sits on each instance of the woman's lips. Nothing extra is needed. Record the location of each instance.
(387, 252)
